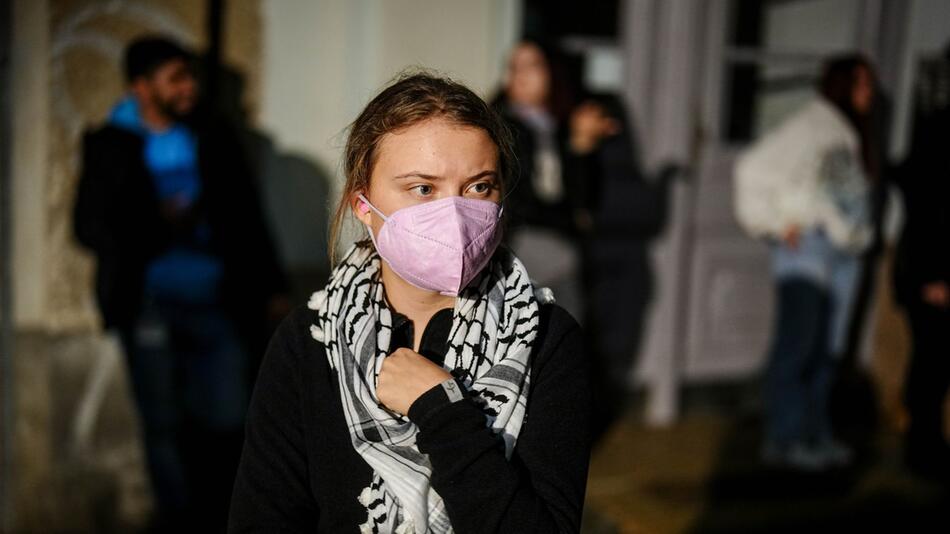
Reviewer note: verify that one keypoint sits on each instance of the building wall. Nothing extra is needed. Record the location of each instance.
(29, 116)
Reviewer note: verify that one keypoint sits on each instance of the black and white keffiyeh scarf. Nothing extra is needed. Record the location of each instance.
(494, 325)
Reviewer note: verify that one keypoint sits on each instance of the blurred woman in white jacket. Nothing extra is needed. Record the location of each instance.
(805, 189)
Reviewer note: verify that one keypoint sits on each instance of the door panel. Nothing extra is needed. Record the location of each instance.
(730, 311)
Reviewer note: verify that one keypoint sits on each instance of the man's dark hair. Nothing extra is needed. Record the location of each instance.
(147, 54)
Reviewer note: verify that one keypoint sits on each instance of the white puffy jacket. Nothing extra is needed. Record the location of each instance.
(807, 172)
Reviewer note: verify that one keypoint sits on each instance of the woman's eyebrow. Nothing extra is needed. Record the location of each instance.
(433, 177)
(415, 174)
(482, 174)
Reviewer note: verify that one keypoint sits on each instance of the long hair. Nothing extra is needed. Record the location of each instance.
(562, 91)
(411, 99)
(837, 83)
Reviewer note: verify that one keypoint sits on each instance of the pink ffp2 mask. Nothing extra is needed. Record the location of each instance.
(439, 245)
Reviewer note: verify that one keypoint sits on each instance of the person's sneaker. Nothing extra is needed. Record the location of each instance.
(797, 456)
(802, 457)
(837, 454)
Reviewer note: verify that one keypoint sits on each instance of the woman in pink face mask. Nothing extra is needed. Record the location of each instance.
(399, 399)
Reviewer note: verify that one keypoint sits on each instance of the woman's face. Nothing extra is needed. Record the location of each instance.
(529, 80)
(428, 161)
(862, 93)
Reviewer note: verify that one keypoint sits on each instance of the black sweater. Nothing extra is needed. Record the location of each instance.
(300, 473)
(924, 180)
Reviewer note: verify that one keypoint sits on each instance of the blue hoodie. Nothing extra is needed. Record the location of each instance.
(187, 272)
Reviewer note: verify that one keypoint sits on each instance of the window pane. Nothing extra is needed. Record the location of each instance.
(823, 26)
(776, 51)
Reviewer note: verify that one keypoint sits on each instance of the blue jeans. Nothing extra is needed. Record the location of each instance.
(816, 288)
(800, 370)
(836, 271)
(188, 374)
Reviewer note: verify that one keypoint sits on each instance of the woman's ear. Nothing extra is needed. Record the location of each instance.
(360, 209)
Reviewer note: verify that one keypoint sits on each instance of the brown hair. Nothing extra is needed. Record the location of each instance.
(413, 98)
(563, 89)
(837, 85)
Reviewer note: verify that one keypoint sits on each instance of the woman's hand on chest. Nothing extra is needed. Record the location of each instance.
(405, 376)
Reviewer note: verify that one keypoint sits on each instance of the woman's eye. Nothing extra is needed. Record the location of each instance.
(481, 188)
(423, 189)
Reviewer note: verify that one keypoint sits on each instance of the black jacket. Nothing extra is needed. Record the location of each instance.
(300, 473)
(524, 206)
(924, 181)
(606, 184)
(117, 216)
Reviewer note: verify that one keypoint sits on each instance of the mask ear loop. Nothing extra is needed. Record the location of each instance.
(372, 207)
(369, 230)
(501, 203)
(510, 191)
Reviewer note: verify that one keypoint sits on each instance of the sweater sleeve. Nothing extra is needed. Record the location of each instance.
(925, 198)
(271, 489)
(541, 488)
(92, 200)
(113, 213)
(756, 192)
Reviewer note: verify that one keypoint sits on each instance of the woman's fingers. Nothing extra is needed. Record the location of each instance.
(405, 376)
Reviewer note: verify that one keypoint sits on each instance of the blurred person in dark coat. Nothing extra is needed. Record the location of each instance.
(186, 276)
(554, 139)
(626, 209)
(922, 273)
(583, 212)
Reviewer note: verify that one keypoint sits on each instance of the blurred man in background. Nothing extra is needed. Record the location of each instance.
(186, 275)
